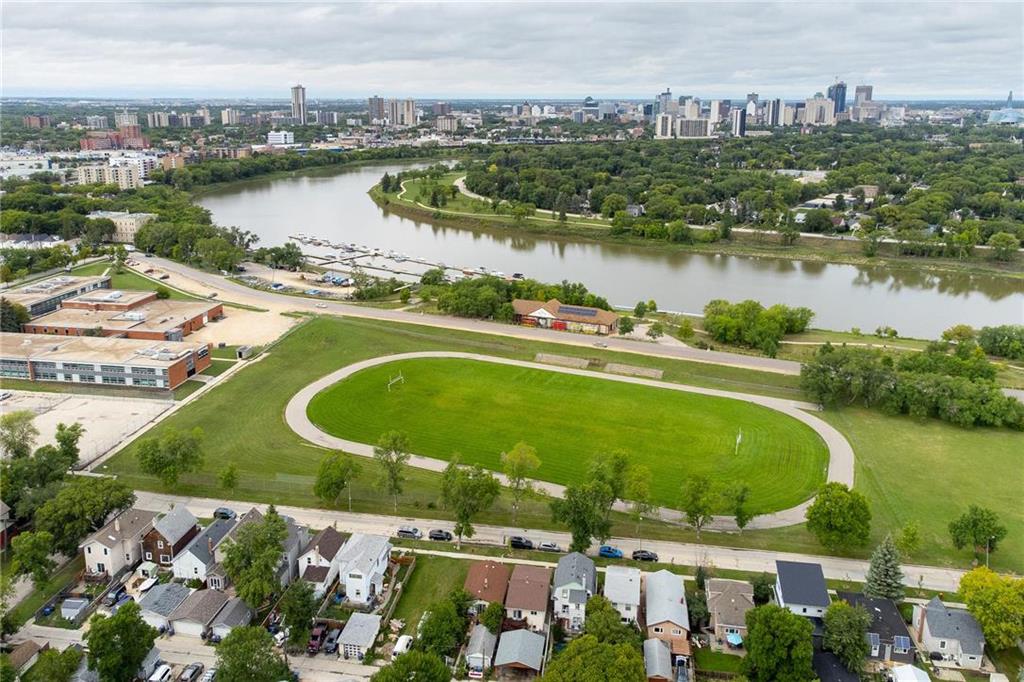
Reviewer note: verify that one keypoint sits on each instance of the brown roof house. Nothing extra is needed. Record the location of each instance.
(529, 592)
(169, 535)
(728, 603)
(487, 581)
(117, 544)
(195, 615)
(556, 315)
(24, 655)
(317, 564)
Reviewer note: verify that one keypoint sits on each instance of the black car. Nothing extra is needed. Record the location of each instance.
(331, 643)
(438, 534)
(114, 595)
(519, 542)
(644, 555)
(223, 513)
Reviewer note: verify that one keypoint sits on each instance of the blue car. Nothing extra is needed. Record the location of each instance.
(609, 552)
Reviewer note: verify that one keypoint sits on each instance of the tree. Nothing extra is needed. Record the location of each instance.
(885, 577)
(839, 517)
(228, 477)
(31, 553)
(638, 492)
(443, 629)
(162, 292)
(626, 325)
(57, 666)
(298, 606)
(698, 501)
(587, 659)
(18, 433)
(698, 611)
(639, 310)
(12, 316)
(764, 589)
(247, 655)
(493, 616)
(846, 628)
(470, 490)
(169, 456)
(613, 470)
(1004, 246)
(118, 644)
(392, 454)
(519, 463)
(737, 495)
(417, 666)
(67, 438)
(335, 475)
(685, 332)
(909, 539)
(997, 603)
(605, 623)
(656, 330)
(779, 647)
(978, 528)
(252, 555)
(81, 507)
(583, 511)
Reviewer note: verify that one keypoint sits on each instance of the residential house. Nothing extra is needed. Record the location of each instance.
(317, 564)
(160, 602)
(658, 660)
(622, 589)
(520, 652)
(800, 587)
(24, 655)
(480, 650)
(527, 597)
(359, 634)
(118, 544)
(575, 583)
(234, 614)
(362, 564)
(953, 633)
(888, 635)
(666, 615)
(487, 582)
(728, 603)
(296, 539)
(170, 534)
(556, 315)
(198, 559)
(194, 615)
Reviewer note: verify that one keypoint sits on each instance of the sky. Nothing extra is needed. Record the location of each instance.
(909, 50)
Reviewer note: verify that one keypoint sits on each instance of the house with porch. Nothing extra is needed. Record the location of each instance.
(118, 544)
(887, 635)
(556, 315)
(317, 564)
(666, 616)
(528, 595)
(170, 534)
(728, 604)
(362, 565)
(487, 582)
(575, 583)
(952, 634)
(622, 589)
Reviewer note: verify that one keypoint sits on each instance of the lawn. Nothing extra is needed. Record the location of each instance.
(130, 280)
(431, 581)
(708, 660)
(480, 409)
(37, 597)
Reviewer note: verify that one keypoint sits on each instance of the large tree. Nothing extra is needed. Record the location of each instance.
(67, 438)
(252, 555)
(414, 666)
(169, 456)
(779, 646)
(334, 477)
(612, 469)
(519, 463)
(18, 433)
(587, 659)
(638, 492)
(977, 528)
(737, 496)
(582, 510)
(247, 655)
(298, 606)
(12, 316)
(885, 577)
(392, 454)
(31, 554)
(493, 616)
(997, 603)
(605, 623)
(698, 502)
(80, 508)
(444, 629)
(469, 491)
(118, 644)
(846, 630)
(56, 666)
(839, 517)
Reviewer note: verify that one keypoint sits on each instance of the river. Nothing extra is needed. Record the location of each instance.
(333, 204)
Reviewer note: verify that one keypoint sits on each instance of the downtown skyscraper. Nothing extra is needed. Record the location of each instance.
(299, 104)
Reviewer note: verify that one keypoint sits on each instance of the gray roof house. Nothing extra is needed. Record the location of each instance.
(657, 660)
(800, 587)
(170, 534)
(575, 582)
(953, 633)
(666, 615)
(234, 614)
(161, 601)
(196, 560)
(480, 650)
(176, 523)
(728, 604)
(520, 650)
(359, 634)
(622, 589)
(194, 615)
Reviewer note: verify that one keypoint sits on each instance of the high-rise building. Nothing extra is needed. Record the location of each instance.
(664, 126)
(863, 94)
(203, 114)
(691, 109)
(739, 122)
(441, 108)
(230, 117)
(375, 107)
(788, 115)
(125, 118)
(692, 127)
(299, 104)
(819, 111)
(837, 93)
(752, 97)
(715, 112)
(446, 123)
(33, 121)
(96, 122)
(752, 109)
(663, 102)
(158, 119)
(401, 112)
(125, 177)
(275, 137)
(773, 113)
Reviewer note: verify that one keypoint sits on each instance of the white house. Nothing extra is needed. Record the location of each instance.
(160, 602)
(117, 544)
(362, 562)
(199, 556)
(528, 595)
(800, 587)
(317, 563)
(953, 633)
(622, 589)
(575, 583)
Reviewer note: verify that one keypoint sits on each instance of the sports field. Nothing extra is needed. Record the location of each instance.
(480, 409)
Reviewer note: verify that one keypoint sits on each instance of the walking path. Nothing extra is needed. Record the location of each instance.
(841, 459)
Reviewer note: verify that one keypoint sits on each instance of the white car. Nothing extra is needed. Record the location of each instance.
(321, 305)
(403, 645)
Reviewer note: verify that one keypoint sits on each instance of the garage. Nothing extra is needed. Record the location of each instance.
(194, 615)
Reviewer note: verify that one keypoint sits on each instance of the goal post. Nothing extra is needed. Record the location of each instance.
(393, 381)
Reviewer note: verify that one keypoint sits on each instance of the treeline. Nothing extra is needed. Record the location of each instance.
(18, 263)
(750, 324)
(953, 384)
(491, 297)
(1004, 341)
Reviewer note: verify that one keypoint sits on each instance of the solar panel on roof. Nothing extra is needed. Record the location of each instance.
(901, 642)
(576, 310)
(874, 639)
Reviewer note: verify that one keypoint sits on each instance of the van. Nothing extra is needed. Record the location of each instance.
(403, 645)
(161, 674)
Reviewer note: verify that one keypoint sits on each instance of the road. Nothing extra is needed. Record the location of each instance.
(688, 554)
(204, 283)
(841, 458)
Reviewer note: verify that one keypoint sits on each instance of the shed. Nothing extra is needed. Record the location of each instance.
(70, 609)
(909, 673)
(520, 650)
(359, 634)
(657, 660)
(480, 650)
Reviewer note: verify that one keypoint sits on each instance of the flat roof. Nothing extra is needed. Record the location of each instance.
(155, 316)
(48, 288)
(100, 349)
(116, 296)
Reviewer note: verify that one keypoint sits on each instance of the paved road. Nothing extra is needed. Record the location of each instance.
(841, 458)
(231, 291)
(689, 554)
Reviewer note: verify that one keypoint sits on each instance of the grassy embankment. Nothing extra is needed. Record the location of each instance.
(901, 463)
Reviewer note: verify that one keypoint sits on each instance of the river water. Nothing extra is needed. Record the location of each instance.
(333, 204)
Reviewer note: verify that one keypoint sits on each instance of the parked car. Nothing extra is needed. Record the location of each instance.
(165, 276)
(549, 547)
(210, 675)
(331, 643)
(114, 595)
(316, 638)
(644, 555)
(125, 598)
(224, 513)
(321, 305)
(403, 645)
(161, 674)
(280, 636)
(439, 534)
(410, 533)
(191, 672)
(609, 552)
(519, 542)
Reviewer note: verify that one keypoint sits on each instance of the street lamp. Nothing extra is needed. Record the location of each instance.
(988, 542)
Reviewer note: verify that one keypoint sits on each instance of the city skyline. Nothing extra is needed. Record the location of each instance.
(964, 52)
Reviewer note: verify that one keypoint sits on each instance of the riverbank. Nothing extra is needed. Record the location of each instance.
(467, 214)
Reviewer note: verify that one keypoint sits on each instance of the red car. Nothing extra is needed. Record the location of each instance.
(316, 638)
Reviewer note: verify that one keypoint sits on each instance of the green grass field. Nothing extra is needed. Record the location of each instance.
(128, 279)
(431, 581)
(480, 409)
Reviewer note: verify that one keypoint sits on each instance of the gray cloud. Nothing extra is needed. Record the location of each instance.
(509, 49)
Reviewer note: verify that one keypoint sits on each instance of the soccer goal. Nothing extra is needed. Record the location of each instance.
(395, 381)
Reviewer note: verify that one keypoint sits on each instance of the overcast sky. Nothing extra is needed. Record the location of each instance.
(510, 49)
